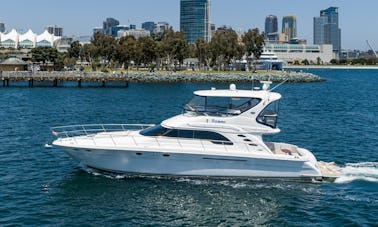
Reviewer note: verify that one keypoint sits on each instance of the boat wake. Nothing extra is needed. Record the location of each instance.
(363, 171)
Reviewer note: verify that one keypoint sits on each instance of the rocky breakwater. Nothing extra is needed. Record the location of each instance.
(164, 76)
(221, 77)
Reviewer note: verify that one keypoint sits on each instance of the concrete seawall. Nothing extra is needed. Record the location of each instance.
(161, 77)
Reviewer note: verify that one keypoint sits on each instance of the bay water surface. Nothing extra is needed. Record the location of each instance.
(337, 120)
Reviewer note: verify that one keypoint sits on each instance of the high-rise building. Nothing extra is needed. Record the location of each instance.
(153, 27)
(149, 26)
(194, 19)
(55, 30)
(2, 27)
(98, 30)
(289, 26)
(116, 29)
(132, 26)
(161, 27)
(271, 25)
(319, 37)
(108, 24)
(326, 29)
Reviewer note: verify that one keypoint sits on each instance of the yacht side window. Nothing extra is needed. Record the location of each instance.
(159, 130)
(269, 115)
(156, 130)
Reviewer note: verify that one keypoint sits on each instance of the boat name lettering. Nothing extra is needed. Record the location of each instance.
(218, 121)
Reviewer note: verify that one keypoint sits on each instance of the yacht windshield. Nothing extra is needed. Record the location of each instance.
(269, 115)
(220, 106)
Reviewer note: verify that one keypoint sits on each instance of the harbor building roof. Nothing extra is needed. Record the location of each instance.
(27, 40)
(45, 39)
(29, 35)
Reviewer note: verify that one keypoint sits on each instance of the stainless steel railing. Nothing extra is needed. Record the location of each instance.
(91, 129)
(90, 133)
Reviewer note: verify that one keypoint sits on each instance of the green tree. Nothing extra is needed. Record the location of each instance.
(334, 62)
(202, 52)
(305, 62)
(104, 47)
(75, 50)
(88, 52)
(44, 54)
(145, 51)
(69, 62)
(224, 47)
(125, 50)
(318, 60)
(253, 43)
(174, 46)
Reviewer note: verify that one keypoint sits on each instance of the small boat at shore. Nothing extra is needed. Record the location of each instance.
(218, 134)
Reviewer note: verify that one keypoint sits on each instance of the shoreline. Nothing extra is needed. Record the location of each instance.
(329, 67)
(162, 76)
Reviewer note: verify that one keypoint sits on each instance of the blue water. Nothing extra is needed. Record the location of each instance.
(337, 120)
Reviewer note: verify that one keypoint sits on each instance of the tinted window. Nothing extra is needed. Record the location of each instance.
(157, 130)
(269, 115)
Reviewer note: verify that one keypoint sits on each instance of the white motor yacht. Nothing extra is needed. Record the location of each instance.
(268, 61)
(219, 134)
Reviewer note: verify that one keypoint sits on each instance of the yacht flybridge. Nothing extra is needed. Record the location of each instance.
(219, 134)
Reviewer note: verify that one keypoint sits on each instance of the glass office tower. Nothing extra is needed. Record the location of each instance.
(271, 25)
(326, 29)
(194, 19)
(289, 26)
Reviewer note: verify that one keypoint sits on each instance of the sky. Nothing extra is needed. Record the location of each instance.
(79, 17)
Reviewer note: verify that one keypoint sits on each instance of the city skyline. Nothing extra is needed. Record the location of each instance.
(80, 17)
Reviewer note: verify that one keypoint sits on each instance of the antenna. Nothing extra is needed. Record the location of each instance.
(279, 84)
(253, 78)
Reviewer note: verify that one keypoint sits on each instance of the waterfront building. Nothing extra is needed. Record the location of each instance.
(13, 64)
(136, 33)
(149, 26)
(326, 29)
(45, 39)
(2, 27)
(63, 44)
(271, 25)
(27, 40)
(55, 30)
(10, 39)
(194, 19)
(291, 53)
(289, 26)
(108, 24)
(276, 38)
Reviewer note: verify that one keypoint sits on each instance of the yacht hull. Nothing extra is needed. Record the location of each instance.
(186, 164)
